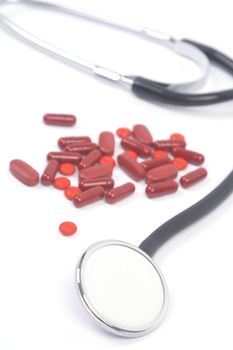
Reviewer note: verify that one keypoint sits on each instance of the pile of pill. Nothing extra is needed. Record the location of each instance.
(94, 164)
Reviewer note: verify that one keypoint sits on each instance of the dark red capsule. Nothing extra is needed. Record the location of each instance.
(142, 134)
(191, 156)
(24, 172)
(95, 172)
(119, 193)
(90, 196)
(64, 141)
(161, 189)
(59, 119)
(193, 177)
(107, 143)
(90, 159)
(82, 148)
(49, 173)
(168, 145)
(155, 162)
(131, 167)
(65, 157)
(106, 182)
(138, 147)
(163, 173)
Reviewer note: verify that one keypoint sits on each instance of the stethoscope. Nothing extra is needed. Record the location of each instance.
(119, 284)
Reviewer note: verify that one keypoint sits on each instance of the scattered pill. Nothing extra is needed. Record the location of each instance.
(191, 156)
(90, 159)
(155, 162)
(61, 183)
(106, 182)
(158, 154)
(180, 163)
(131, 167)
(59, 119)
(124, 132)
(142, 134)
(24, 172)
(107, 143)
(67, 228)
(132, 154)
(119, 193)
(163, 173)
(107, 160)
(136, 146)
(64, 141)
(67, 169)
(65, 157)
(193, 177)
(90, 196)
(96, 171)
(177, 137)
(71, 192)
(49, 173)
(161, 189)
(168, 145)
(82, 148)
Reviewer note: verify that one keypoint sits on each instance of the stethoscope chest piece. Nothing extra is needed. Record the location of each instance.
(122, 288)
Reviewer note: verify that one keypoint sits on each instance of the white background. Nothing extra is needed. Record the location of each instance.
(39, 308)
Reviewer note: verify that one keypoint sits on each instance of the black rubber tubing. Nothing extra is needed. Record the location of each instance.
(187, 217)
(152, 90)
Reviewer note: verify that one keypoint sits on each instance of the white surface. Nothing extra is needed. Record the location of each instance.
(39, 308)
(122, 288)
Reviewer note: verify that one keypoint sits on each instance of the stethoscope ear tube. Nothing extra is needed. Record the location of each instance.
(151, 90)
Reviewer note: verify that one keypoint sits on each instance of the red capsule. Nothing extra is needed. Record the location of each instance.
(24, 172)
(161, 189)
(138, 147)
(191, 156)
(49, 173)
(193, 177)
(107, 143)
(131, 167)
(168, 145)
(59, 119)
(90, 196)
(64, 141)
(163, 173)
(106, 182)
(142, 134)
(82, 148)
(65, 157)
(90, 159)
(95, 172)
(155, 162)
(119, 193)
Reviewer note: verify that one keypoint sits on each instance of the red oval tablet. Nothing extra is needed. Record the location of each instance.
(24, 172)
(107, 143)
(68, 228)
(95, 172)
(142, 134)
(163, 173)
(193, 177)
(119, 193)
(161, 189)
(59, 119)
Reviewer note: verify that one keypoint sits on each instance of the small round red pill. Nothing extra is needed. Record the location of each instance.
(71, 192)
(107, 143)
(161, 189)
(107, 160)
(49, 173)
(61, 183)
(177, 137)
(90, 196)
(132, 154)
(165, 172)
(67, 228)
(158, 154)
(124, 132)
(191, 156)
(67, 169)
(193, 177)
(24, 172)
(142, 134)
(119, 193)
(180, 163)
(59, 119)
